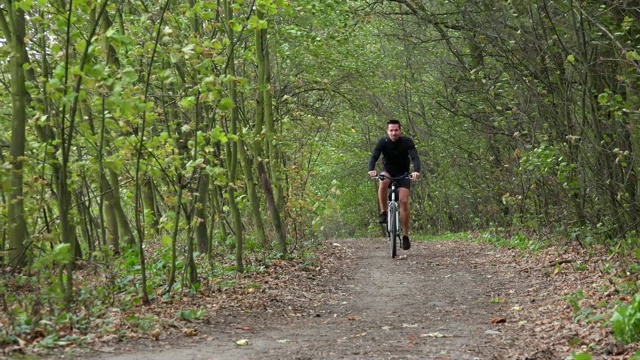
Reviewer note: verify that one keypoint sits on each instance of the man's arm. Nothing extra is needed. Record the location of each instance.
(375, 155)
(415, 160)
(413, 155)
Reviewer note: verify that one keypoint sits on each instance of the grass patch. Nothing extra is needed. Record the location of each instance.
(512, 241)
(443, 237)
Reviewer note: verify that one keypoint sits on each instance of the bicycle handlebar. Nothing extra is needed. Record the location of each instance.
(383, 177)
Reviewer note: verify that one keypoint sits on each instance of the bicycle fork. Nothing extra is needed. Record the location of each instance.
(393, 219)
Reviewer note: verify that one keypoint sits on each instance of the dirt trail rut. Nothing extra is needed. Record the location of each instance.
(433, 304)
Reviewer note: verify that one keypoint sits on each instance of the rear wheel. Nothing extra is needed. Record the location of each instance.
(393, 229)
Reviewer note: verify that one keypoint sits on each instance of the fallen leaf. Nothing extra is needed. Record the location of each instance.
(498, 320)
(516, 308)
(435, 335)
(190, 332)
(410, 325)
(36, 333)
(155, 334)
(354, 318)
(244, 328)
(574, 341)
(283, 341)
(242, 342)
(107, 349)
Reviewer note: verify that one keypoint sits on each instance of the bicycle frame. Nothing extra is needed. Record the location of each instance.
(394, 228)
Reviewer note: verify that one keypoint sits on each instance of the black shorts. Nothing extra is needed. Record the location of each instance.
(402, 183)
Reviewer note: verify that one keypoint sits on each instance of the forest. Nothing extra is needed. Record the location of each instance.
(147, 148)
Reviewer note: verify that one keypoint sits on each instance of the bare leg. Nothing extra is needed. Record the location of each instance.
(383, 194)
(404, 210)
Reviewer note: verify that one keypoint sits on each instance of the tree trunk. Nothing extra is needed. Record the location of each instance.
(265, 115)
(254, 202)
(111, 216)
(232, 147)
(15, 34)
(202, 205)
(151, 210)
(126, 233)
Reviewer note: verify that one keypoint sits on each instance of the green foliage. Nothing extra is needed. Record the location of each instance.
(192, 314)
(574, 300)
(580, 267)
(581, 356)
(502, 130)
(444, 237)
(517, 241)
(144, 323)
(625, 321)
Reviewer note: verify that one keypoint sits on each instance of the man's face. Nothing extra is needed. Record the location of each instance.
(393, 130)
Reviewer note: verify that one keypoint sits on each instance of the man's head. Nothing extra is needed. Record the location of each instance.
(393, 129)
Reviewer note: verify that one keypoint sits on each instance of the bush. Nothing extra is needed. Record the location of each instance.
(626, 321)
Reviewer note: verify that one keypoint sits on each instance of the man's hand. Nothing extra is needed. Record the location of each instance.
(415, 176)
(373, 173)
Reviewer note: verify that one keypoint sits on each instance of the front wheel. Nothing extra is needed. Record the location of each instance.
(393, 229)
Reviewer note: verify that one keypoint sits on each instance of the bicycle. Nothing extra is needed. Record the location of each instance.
(394, 228)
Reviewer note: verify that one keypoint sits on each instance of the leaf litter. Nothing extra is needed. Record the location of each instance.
(556, 302)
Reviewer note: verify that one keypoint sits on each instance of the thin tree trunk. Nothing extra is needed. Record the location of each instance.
(151, 210)
(15, 33)
(265, 115)
(174, 237)
(111, 215)
(202, 205)
(126, 233)
(218, 204)
(232, 147)
(254, 202)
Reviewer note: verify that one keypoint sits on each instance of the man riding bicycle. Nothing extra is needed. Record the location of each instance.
(396, 150)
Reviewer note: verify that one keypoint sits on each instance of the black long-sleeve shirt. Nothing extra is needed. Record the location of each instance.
(396, 155)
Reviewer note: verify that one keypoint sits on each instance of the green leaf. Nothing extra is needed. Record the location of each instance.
(603, 99)
(186, 315)
(129, 75)
(581, 356)
(571, 59)
(61, 253)
(632, 55)
(110, 32)
(188, 102)
(257, 24)
(236, 26)
(24, 5)
(226, 104)
(166, 240)
(217, 134)
(188, 50)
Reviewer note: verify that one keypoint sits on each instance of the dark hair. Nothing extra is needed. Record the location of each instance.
(394, 122)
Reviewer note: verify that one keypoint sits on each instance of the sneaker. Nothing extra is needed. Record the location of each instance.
(383, 218)
(406, 244)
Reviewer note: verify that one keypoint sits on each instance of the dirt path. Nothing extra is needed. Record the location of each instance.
(434, 304)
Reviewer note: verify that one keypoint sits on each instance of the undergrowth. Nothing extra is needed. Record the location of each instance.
(620, 313)
(33, 312)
